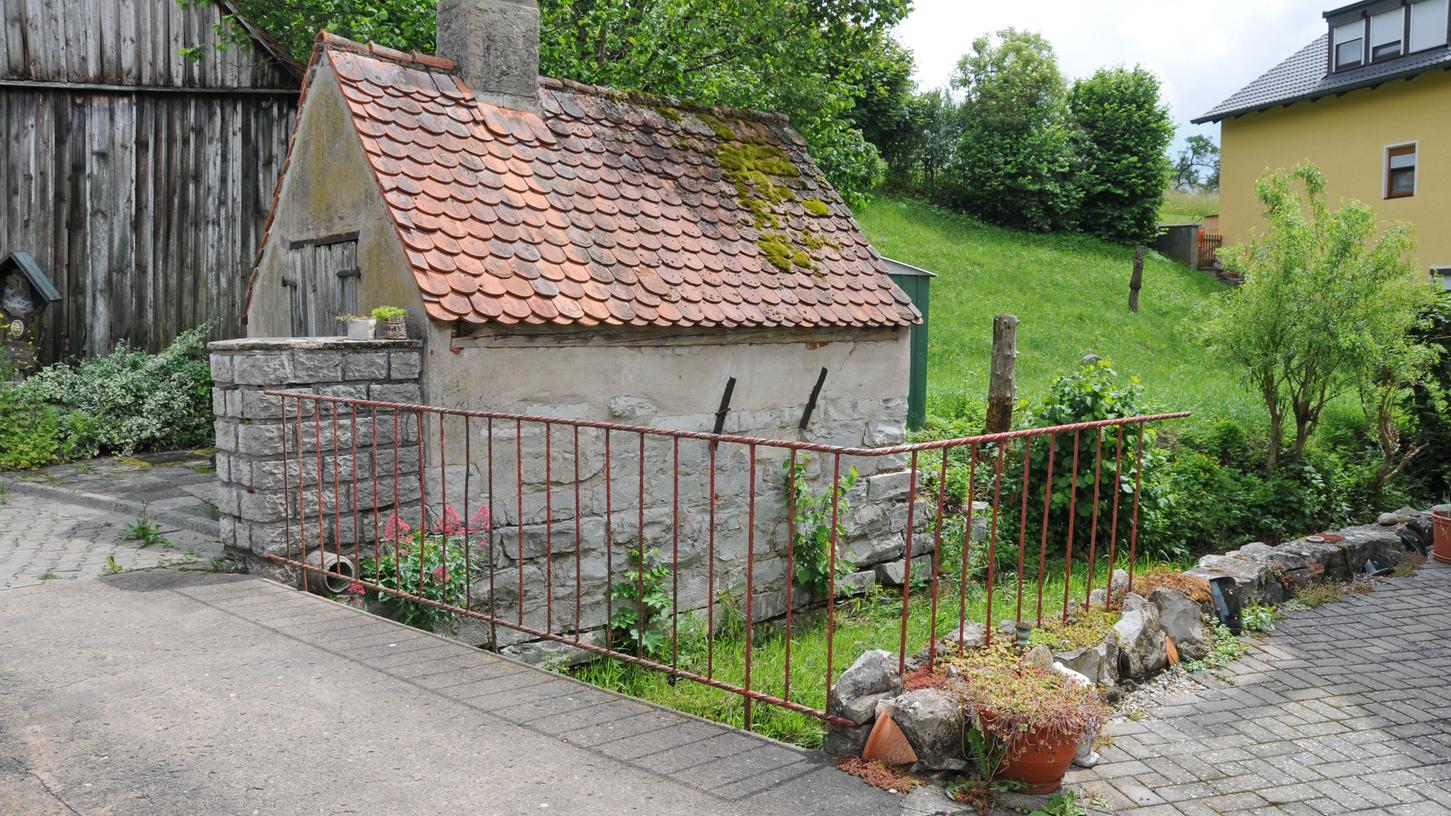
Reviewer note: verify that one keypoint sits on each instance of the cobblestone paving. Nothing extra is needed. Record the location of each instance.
(44, 540)
(1344, 709)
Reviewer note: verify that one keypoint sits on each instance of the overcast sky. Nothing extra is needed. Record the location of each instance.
(1202, 52)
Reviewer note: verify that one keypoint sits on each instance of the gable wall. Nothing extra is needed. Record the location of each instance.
(328, 190)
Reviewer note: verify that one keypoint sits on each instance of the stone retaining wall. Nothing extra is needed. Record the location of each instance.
(1134, 650)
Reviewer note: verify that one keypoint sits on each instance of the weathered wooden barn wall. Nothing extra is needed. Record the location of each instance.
(140, 180)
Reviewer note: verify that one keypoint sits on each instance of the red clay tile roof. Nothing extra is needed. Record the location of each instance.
(606, 210)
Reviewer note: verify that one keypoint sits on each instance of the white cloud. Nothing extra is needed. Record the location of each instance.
(1202, 52)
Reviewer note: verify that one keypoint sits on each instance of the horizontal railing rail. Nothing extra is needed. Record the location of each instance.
(655, 546)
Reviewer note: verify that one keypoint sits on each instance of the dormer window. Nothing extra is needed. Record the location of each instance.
(1350, 45)
(1383, 30)
(1387, 33)
(1428, 24)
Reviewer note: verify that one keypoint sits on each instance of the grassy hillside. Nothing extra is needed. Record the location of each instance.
(1180, 207)
(1070, 294)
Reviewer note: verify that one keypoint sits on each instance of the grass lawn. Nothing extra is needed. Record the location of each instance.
(1180, 207)
(868, 622)
(1070, 294)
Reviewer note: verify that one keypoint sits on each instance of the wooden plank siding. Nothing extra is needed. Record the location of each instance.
(139, 180)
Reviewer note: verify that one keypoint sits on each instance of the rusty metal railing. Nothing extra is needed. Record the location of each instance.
(373, 487)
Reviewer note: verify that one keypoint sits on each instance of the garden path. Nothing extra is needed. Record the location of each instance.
(1343, 709)
(173, 693)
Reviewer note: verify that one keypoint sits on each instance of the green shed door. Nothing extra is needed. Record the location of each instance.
(916, 283)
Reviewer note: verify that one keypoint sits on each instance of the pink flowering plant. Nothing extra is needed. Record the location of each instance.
(430, 563)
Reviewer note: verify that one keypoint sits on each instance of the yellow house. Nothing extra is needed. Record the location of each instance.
(1369, 102)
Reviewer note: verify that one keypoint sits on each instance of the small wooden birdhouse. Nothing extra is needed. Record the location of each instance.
(25, 293)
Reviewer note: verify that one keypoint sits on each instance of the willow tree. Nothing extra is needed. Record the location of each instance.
(1327, 304)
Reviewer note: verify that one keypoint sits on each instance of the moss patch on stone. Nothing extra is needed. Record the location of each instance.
(1083, 628)
(723, 131)
(816, 207)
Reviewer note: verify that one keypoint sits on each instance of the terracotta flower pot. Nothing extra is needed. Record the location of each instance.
(1441, 548)
(1040, 761)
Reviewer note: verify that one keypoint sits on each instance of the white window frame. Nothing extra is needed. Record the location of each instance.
(1385, 170)
(1441, 278)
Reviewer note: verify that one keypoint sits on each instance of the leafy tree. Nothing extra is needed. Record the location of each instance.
(807, 60)
(883, 109)
(1325, 306)
(1198, 164)
(1124, 132)
(1014, 162)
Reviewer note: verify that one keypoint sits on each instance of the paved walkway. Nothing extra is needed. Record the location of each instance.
(171, 693)
(178, 487)
(1344, 709)
(45, 540)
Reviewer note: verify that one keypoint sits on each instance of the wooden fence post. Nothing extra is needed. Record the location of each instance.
(1136, 282)
(1002, 388)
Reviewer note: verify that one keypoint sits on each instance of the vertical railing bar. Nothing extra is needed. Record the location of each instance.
(750, 574)
(321, 481)
(1023, 525)
(422, 498)
(1138, 489)
(519, 511)
(443, 511)
(377, 540)
(992, 546)
(578, 540)
(493, 557)
(397, 504)
(1093, 533)
(966, 550)
(286, 490)
(609, 544)
(337, 494)
(790, 564)
(831, 574)
(710, 575)
(1118, 469)
(1047, 507)
(907, 565)
(640, 554)
(936, 560)
(1072, 521)
(675, 554)
(549, 529)
(468, 519)
(357, 519)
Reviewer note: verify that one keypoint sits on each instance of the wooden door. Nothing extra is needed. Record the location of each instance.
(324, 279)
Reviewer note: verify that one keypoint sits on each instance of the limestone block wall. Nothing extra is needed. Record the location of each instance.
(258, 493)
(568, 504)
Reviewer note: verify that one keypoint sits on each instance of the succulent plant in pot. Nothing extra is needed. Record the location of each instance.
(392, 318)
(359, 327)
(1034, 714)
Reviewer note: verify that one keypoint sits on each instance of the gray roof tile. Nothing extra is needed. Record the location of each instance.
(1303, 76)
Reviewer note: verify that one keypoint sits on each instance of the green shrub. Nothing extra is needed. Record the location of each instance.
(432, 564)
(640, 622)
(813, 527)
(129, 401)
(30, 435)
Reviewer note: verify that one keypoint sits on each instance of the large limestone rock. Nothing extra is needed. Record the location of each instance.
(1141, 640)
(933, 721)
(1182, 620)
(873, 677)
(1249, 574)
(1099, 662)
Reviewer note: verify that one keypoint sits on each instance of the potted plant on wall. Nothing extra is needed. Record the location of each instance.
(392, 319)
(359, 327)
(1035, 716)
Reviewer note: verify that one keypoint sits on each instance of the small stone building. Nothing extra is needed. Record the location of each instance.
(574, 251)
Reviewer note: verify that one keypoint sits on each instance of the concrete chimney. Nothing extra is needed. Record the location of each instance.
(495, 44)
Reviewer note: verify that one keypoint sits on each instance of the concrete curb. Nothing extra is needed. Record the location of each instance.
(170, 518)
